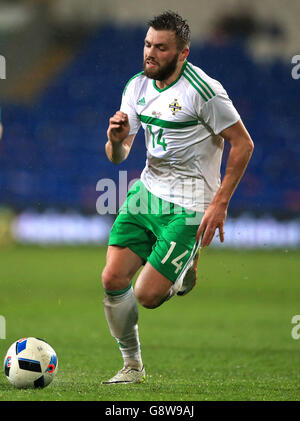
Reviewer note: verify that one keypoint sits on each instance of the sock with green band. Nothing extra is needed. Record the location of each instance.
(121, 313)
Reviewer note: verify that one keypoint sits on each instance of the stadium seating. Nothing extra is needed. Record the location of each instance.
(53, 151)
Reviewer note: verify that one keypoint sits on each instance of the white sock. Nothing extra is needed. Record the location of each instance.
(121, 313)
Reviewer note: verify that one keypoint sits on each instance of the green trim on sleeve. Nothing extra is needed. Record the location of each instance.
(199, 79)
(133, 77)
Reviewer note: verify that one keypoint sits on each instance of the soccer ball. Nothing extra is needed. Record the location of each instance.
(30, 362)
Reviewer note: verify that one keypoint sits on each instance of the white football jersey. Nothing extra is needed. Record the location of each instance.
(182, 123)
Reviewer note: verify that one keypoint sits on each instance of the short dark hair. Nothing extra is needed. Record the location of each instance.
(172, 21)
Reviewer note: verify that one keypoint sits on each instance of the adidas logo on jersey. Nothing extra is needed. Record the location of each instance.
(141, 101)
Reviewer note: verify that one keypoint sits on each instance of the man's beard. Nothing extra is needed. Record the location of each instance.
(162, 72)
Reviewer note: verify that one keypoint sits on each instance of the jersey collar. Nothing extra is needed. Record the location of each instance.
(173, 83)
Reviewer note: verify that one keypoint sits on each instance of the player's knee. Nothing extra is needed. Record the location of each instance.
(113, 279)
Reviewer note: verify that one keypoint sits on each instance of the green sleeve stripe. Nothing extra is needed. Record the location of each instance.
(167, 124)
(206, 92)
(133, 77)
(200, 79)
(196, 87)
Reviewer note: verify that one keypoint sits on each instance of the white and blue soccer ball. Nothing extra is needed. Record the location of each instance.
(30, 363)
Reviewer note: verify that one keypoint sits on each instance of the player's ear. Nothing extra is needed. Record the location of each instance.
(184, 53)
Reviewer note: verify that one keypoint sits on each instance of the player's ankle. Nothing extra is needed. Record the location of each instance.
(133, 363)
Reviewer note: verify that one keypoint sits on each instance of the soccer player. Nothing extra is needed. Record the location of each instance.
(179, 201)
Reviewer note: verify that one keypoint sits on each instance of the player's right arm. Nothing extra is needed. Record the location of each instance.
(119, 141)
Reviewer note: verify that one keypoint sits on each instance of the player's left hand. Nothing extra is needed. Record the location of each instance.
(214, 217)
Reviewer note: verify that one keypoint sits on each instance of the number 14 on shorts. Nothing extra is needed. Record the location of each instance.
(177, 261)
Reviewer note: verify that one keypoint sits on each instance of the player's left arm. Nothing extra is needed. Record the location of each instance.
(239, 156)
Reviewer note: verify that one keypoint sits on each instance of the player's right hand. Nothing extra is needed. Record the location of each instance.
(118, 128)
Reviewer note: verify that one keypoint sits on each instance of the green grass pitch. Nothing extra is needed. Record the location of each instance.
(228, 340)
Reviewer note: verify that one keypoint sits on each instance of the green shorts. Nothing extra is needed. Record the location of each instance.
(160, 232)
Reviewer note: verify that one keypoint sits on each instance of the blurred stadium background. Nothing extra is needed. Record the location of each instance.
(67, 62)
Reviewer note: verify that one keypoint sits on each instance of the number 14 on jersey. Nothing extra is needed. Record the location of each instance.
(157, 140)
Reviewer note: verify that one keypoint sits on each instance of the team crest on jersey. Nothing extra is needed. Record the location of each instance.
(175, 107)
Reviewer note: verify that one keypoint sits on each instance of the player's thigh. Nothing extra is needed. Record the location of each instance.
(151, 287)
(121, 265)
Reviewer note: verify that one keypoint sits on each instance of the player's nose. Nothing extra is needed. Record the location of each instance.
(150, 52)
